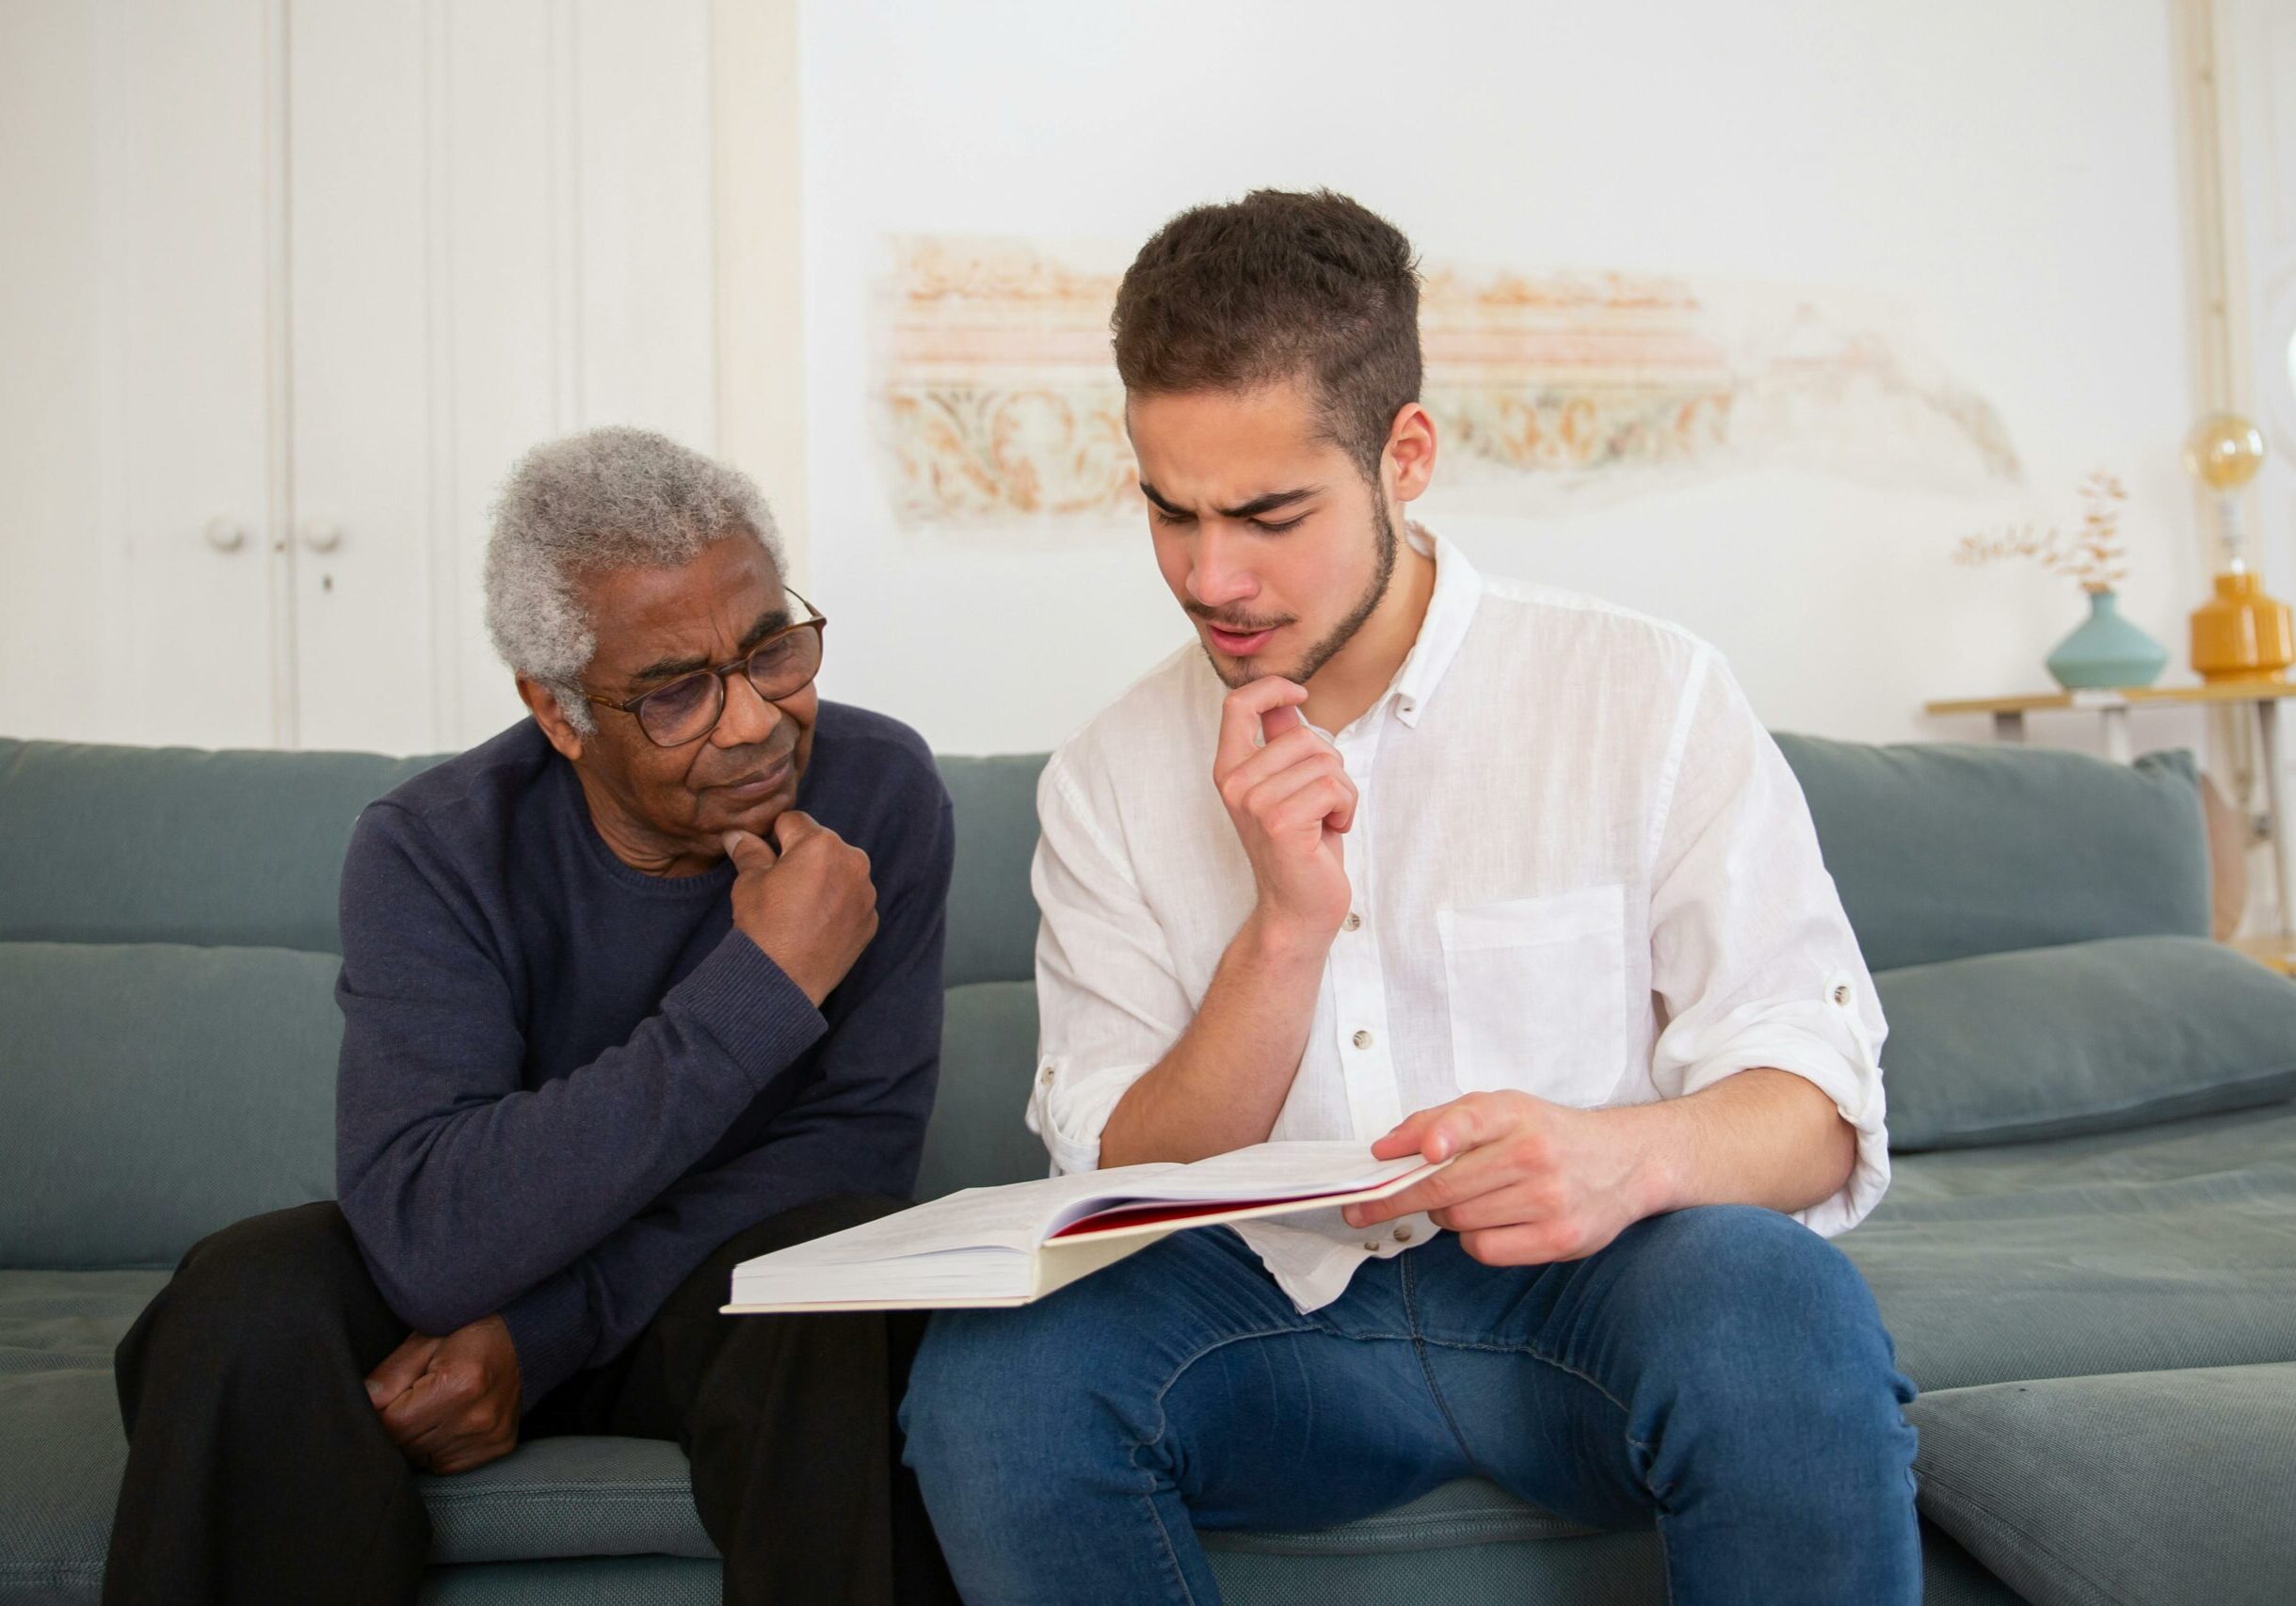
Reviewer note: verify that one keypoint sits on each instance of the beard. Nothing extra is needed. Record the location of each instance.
(1383, 574)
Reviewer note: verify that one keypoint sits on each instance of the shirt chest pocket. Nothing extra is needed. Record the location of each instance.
(1537, 993)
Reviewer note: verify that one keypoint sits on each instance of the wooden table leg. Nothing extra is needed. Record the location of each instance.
(2276, 797)
(2009, 726)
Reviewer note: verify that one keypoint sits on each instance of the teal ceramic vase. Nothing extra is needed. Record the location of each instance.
(2107, 650)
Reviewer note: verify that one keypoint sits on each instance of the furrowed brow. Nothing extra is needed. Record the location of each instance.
(768, 621)
(1270, 503)
(670, 669)
(1256, 507)
(1162, 502)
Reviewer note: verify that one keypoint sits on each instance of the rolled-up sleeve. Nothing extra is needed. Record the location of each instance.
(1752, 957)
(1109, 998)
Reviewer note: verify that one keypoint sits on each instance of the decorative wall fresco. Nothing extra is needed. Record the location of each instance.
(999, 401)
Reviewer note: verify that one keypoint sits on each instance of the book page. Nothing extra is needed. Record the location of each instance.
(1263, 1172)
(984, 1239)
(1017, 1216)
(983, 1246)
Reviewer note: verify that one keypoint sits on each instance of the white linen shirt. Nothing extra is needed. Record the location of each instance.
(1581, 869)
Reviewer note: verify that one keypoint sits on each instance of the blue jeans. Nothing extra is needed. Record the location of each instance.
(1720, 1371)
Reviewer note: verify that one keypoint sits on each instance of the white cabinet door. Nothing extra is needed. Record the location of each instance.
(349, 259)
(364, 412)
(501, 232)
(189, 470)
(574, 216)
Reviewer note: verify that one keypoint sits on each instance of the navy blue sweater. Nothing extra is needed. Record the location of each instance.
(564, 1081)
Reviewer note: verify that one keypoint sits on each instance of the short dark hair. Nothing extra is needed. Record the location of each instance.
(1279, 286)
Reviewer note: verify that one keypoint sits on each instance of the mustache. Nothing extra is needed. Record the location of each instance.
(1239, 625)
(749, 760)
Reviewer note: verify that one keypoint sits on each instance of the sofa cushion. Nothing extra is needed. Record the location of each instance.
(992, 919)
(170, 845)
(1941, 850)
(157, 1093)
(1470, 1511)
(582, 1505)
(597, 1581)
(2047, 1042)
(567, 1497)
(2122, 1490)
(2167, 1245)
(988, 1051)
(1595, 1569)
(61, 1450)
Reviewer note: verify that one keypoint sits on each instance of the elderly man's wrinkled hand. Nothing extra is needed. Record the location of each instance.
(451, 1404)
(810, 907)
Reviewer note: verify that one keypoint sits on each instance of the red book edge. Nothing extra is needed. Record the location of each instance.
(1149, 1215)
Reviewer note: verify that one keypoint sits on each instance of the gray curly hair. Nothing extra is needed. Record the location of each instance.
(606, 499)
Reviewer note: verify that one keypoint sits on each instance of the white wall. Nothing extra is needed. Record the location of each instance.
(48, 369)
(2008, 171)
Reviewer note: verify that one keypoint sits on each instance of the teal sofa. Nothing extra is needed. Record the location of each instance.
(2103, 1318)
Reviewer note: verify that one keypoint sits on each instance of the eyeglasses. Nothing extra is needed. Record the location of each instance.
(688, 708)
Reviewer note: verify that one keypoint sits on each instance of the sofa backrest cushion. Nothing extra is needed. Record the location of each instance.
(170, 845)
(1944, 851)
(156, 1092)
(2090, 1036)
(988, 1052)
(1940, 851)
(168, 931)
(992, 919)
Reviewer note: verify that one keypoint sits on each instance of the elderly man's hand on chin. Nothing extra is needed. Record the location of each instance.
(811, 906)
(451, 1404)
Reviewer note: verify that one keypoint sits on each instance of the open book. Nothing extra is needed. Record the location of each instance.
(987, 1246)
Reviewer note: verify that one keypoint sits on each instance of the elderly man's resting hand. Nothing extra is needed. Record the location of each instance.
(451, 1404)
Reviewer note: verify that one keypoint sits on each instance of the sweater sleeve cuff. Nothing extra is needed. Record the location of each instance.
(550, 1328)
(759, 1016)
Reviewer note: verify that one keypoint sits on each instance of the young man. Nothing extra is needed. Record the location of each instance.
(1489, 872)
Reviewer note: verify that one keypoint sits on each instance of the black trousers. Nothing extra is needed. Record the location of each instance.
(259, 1471)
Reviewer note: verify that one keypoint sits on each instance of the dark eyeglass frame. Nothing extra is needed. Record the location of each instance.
(818, 624)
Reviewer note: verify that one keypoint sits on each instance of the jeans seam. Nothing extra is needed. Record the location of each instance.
(1658, 1496)
(1163, 1426)
(1171, 1554)
(1658, 1499)
(1535, 1353)
(1427, 1368)
(1197, 1354)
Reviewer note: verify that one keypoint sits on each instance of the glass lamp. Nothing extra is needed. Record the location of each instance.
(2239, 633)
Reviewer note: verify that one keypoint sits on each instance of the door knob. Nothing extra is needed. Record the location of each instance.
(319, 535)
(225, 535)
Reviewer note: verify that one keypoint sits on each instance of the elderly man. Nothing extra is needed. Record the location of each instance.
(644, 986)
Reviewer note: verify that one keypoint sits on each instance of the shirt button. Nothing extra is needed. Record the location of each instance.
(1352, 922)
(1842, 995)
(1048, 1076)
(1371, 1245)
(1403, 1236)
(1361, 1039)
